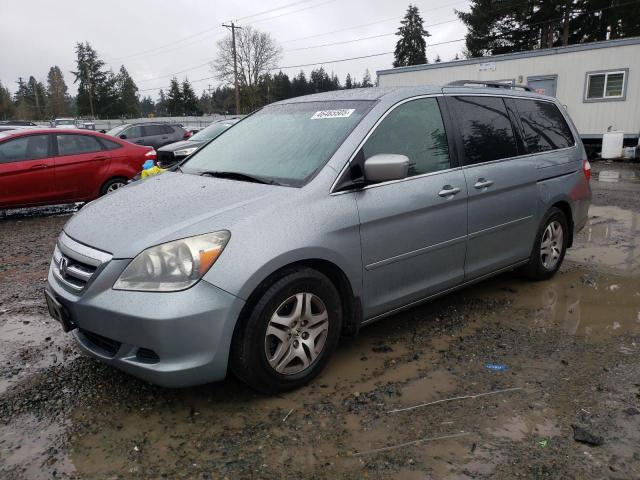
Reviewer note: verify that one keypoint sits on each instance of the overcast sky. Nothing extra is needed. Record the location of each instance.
(155, 38)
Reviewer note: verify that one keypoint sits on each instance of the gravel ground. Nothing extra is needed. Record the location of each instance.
(566, 355)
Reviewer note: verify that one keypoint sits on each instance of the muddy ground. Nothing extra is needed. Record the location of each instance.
(571, 348)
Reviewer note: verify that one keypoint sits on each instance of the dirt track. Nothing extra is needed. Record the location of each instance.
(571, 347)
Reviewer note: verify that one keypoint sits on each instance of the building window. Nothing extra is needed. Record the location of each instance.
(609, 85)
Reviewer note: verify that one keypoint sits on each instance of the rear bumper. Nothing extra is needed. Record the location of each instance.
(172, 339)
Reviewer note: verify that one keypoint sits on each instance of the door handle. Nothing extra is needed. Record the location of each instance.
(483, 183)
(448, 191)
(99, 158)
(38, 167)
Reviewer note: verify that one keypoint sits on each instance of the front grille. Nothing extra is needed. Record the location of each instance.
(98, 342)
(165, 159)
(75, 264)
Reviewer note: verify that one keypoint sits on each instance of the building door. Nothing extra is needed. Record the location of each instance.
(545, 84)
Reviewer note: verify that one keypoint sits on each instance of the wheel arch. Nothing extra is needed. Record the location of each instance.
(351, 304)
(565, 208)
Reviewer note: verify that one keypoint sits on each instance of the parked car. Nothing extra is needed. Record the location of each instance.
(175, 152)
(151, 134)
(65, 123)
(17, 123)
(311, 218)
(4, 128)
(49, 166)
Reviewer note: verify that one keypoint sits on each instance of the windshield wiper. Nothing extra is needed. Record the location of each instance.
(238, 176)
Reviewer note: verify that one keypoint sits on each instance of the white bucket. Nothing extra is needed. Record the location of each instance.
(612, 144)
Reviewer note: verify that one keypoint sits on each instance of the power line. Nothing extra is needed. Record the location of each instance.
(292, 12)
(273, 10)
(363, 38)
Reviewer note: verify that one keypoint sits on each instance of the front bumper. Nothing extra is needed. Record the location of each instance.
(172, 339)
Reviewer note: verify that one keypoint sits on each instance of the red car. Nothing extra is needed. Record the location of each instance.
(49, 166)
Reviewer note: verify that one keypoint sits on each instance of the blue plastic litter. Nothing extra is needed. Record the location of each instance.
(147, 165)
(497, 367)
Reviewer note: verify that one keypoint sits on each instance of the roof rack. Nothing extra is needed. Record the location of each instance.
(489, 84)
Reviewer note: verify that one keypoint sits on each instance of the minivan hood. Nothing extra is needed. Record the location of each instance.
(167, 207)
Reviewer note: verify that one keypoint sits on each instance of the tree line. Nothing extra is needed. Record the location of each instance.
(504, 26)
(494, 27)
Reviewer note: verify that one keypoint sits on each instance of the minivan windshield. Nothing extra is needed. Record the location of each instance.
(284, 144)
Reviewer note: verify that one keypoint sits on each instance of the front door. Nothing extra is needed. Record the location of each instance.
(544, 84)
(501, 184)
(26, 171)
(413, 231)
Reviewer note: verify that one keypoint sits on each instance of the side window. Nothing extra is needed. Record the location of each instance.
(77, 144)
(543, 126)
(31, 147)
(166, 129)
(414, 129)
(134, 132)
(150, 130)
(485, 128)
(110, 145)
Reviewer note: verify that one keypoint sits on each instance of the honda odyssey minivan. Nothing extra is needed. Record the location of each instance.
(311, 218)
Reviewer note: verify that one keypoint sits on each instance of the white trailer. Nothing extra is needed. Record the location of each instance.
(599, 83)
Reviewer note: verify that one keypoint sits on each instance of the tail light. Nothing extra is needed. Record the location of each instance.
(150, 154)
(187, 134)
(586, 169)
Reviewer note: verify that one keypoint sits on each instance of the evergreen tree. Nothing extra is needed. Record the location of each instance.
(107, 102)
(299, 85)
(91, 78)
(348, 83)
(319, 81)
(147, 107)
(281, 86)
(366, 79)
(7, 109)
(335, 82)
(36, 99)
(127, 91)
(205, 102)
(174, 98)
(189, 99)
(411, 47)
(161, 104)
(21, 101)
(57, 95)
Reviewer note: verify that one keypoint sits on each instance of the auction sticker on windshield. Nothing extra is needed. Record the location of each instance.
(341, 113)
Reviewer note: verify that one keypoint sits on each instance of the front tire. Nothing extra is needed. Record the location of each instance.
(289, 334)
(550, 246)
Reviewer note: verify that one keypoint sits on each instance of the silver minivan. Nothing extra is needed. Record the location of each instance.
(311, 218)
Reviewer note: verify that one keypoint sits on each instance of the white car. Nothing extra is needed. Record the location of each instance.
(65, 123)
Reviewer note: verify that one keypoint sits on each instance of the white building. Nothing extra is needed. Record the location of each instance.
(599, 83)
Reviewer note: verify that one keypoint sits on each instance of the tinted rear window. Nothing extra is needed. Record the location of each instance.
(487, 133)
(543, 126)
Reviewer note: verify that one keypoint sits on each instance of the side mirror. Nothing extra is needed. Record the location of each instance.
(103, 131)
(123, 136)
(385, 167)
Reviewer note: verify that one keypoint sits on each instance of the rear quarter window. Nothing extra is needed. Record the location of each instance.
(108, 144)
(543, 126)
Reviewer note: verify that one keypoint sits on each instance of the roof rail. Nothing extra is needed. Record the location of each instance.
(489, 84)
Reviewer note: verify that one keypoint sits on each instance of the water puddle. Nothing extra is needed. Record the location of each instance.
(611, 241)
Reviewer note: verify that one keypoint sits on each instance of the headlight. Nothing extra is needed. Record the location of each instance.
(174, 265)
(185, 151)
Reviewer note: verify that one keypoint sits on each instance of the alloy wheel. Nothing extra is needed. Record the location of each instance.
(551, 245)
(115, 186)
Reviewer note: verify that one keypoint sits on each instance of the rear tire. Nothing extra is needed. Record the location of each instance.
(550, 246)
(287, 337)
(112, 185)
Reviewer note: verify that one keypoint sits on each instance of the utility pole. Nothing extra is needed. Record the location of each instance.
(210, 100)
(235, 63)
